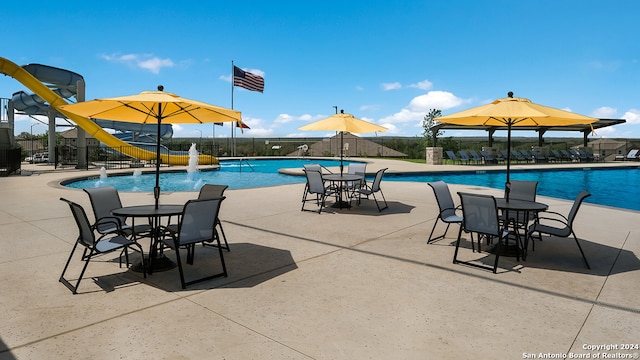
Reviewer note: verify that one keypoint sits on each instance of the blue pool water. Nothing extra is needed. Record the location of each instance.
(615, 187)
(237, 174)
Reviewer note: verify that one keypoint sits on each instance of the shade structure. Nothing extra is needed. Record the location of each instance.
(154, 107)
(512, 111)
(343, 122)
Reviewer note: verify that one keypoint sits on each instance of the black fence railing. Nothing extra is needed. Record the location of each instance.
(10, 160)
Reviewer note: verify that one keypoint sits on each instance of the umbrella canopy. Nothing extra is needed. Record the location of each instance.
(343, 122)
(154, 107)
(512, 111)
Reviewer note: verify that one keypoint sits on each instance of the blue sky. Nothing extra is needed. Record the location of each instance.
(385, 62)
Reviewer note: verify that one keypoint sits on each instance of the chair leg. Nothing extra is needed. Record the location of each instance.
(581, 252)
(432, 239)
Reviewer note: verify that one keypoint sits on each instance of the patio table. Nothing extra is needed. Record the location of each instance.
(156, 262)
(514, 209)
(340, 180)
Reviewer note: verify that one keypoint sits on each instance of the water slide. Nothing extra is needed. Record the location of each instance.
(55, 100)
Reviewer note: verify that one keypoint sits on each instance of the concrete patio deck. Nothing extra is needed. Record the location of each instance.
(345, 284)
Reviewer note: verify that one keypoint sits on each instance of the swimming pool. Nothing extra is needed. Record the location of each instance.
(237, 174)
(617, 187)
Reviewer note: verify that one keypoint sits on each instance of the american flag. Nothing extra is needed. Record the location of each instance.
(247, 80)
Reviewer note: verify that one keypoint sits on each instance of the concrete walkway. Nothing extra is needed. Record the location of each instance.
(345, 284)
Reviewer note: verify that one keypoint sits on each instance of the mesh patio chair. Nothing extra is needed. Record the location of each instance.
(197, 225)
(447, 209)
(315, 187)
(106, 243)
(103, 200)
(213, 191)
(521, 190)
(563, 224)
(480, 216)
(373, 188)
(355, 169)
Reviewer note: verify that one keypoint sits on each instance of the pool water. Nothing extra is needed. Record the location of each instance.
(611, 187)
(616, 187)
(237, 174)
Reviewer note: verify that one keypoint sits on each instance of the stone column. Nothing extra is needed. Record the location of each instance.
(434, 155)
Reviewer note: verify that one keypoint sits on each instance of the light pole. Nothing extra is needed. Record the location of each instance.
(31, 137)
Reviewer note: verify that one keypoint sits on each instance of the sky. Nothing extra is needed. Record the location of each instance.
(385, 62)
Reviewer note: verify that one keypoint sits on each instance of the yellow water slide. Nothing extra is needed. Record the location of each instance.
(9, 68)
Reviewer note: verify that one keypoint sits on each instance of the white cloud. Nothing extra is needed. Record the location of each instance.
(632, 116)
(286, 118)
(422, 85)
(604, 112)
(147, 62)
(391, 86)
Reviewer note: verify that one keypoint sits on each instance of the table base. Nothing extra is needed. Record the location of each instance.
(341, 205)
(161, 263)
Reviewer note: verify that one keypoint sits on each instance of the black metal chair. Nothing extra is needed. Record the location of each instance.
(371, 189)
(315, 186)
(214, 191)
(197, 225)
(103, 200)
(565, 224)
(448, 209)
(108, 242)
(480, 216)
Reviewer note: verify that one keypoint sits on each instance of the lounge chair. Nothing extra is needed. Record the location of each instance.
(539, 157)
(558, 156)
(527, 155)
(197, 225)
(464, 157)
(447, 209)
(371, 190)
(108, 242)
(480, 216)
(518, 156)
(570, 156)
(488, 158)
(565, 224)
(576, 155)
(315, 186)
(475, 157)
(633, 155)
(586, 155)
(452, 156)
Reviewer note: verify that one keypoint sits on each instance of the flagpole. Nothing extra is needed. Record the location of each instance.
(233, 126)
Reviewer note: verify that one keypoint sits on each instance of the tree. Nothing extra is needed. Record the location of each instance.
(428, 123)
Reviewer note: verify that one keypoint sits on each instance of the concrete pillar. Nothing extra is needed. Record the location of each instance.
(81, 141)
(434, 155)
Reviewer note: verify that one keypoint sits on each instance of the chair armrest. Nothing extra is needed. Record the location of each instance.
(560, 218)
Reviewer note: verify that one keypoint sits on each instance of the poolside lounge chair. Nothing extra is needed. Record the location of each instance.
(464, 157)
(539, 157)
(488, 158)
(633, 155)
(447, 209)
(586, 155)
(475, 157)
(518, 156)
(315, 186)
(559, 157)
(452, 156)
(106, 243)
(103, 200)
(567, 155)
(564, 227)
(373, 188)
(480, 216)
(527, 155)
(197, 225)
(576, 155)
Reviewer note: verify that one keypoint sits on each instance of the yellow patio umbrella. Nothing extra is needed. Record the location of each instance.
(512, 111)
(343, 122)
(154, 107)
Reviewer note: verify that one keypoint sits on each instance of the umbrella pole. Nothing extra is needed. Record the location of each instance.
(156, 189)
(508, 183)
(341, 147)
